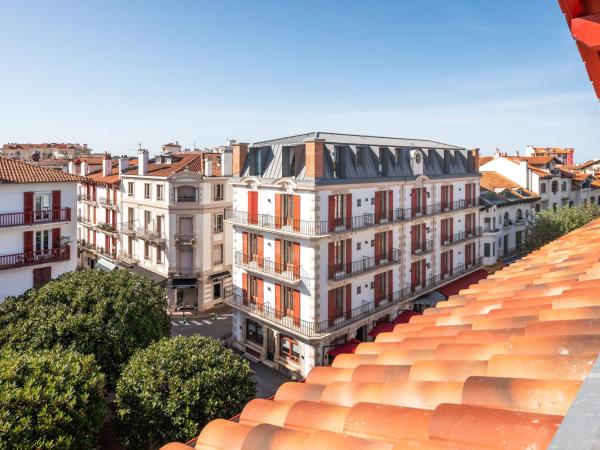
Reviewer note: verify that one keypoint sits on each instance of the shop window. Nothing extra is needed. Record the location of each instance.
(289, 348)
(254, 332)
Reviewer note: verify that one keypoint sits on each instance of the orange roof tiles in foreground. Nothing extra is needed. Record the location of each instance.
(496, 366)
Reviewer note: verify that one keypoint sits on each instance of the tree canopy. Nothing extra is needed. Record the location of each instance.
(175, 386)
(50, 399)
(106, 314)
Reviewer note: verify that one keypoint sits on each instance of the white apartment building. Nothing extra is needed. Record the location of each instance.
(37, 226)
(334, 234)
(172, 224)
(506, 209)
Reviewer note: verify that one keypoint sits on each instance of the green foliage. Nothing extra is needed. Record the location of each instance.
(106, 314)
(549, 225)
(50, 399)
(174, 387)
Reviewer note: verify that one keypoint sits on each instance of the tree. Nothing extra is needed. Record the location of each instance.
(550, 224)
(106, 314)
(50, 399)
(174, 387)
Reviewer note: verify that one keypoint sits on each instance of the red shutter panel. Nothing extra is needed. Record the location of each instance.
(114, 196)
(55, 205)
(28, 242)
(444, 234)
(413, 238)
(260, 287)
(423, 273)
(114, 219)
(278, 245)
(28, 207)
(413, 275)
(377, 206)
(244, 288)
(377, 249)
(423, 237)
(443, 263)
(390, 286)
(451, 188)
(296, 259)
(391, 206)
(94, 238)
(390, 245)
(278, 308)
(413, 202)
(349, 301)
(348, 211)
(107, 243)
(451, 262)
(443, 195)
(296, 312)
(348, 255)
(331, 212)
(377, 290)
(106, 216)
(94, 210)
(245, 250)
(451, 228)
(278, 218)
(331, 307)
(423, 200)
(94, 193)
(260, 243)
(468, 194)
(331, 259)
(297, 218)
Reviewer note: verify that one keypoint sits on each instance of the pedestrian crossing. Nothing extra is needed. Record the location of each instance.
(209, 320)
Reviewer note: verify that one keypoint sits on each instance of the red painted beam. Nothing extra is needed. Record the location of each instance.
(586, 30)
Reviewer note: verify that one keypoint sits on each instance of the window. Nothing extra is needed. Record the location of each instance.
(358, 290)
(358, 202)
(288, 300)
(358, 246)
(218, 254)
(218, 223)
(217, 192)
(186, 194)
(147, 220)
(543, 188)
(554, 187)
(147, 191)
(519, 214)
(217, 289)
(486, 250)
(158, 255)
(41, 276)
(130, 189)
(564, 186)
(537, 208)
(160, 192)
(289, 348)
(254, 332)
(146, 250)
(42, 240)
(41, 205)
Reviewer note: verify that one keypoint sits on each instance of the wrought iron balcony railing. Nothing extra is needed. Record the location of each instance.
(342, 271)
(288, 272)
(461, 237)
(16, 219)
(157, 237)
(422, 247)
(32, 258)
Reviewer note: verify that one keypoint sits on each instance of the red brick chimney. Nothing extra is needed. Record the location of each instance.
(314, 149)
(240, 152)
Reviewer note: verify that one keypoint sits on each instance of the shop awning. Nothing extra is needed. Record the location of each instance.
(455, 286)
(220, 275)
(105, 264)
(385, 327)
(157, 278)
(430, 299)
(348, 347)
(180, 283)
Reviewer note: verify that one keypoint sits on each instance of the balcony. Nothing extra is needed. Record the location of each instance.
(461, 237)
(507, 224)
(184, 271)
(156, 237)
(284, 272)
(106, 202)
(18, 219)
(422, 248)
(128, 258)
(84, 220)
(127, 228)
(342, 271)
(85, 198)
(82, 243)
(185, 239)
(309, 330)
(106, 227)
(490, 229)
(33, 258)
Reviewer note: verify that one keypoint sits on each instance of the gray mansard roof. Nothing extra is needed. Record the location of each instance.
(359, 158)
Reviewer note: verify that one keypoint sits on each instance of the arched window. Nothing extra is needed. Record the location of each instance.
(186, 194)
(543, 188)
(564, 186)
(519, 214)
(506, 219)
(554, 186)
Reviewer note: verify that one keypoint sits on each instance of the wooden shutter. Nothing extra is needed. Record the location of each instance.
(107, 216)
(348, 300)
(55, 237)
(451, 228)
(331, 307)
(348, 211)
(114, 196)
(451, 263)
(390, 205)
(245, 250)
(260, 243)
(390, 286)
(444, 230)
(278, 218)
(451, 188)
(443, 263)
(377, 290)
(278, 245)
(296, 258)
(297, 218)
(244, 288)
(413, 202)
(348, 255)
(468, 194)
(28, 207)
(423, 273)
(377, 206)
(106, 243)
(331, 259)
(94, 193)
(114, 219)
(27, 241)
(413, 275)
(377, 249)
(390, 245)
(423, 237)
(260, 287)
(413, 238)
(423, 201)
(296, 300)
(94, 212)
(443, 195)
(331, 212)
(94, 238)
(278, 308)
(56, 205)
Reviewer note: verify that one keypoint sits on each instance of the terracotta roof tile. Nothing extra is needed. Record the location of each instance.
(496, 366)
(14, 171)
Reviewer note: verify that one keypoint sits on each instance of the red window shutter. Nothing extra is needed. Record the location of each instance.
(260, 287)
(244, 288)
(27, 241)
(114, 196)
(296, 258)
(260, 243)
(423, 236)
(423, 200)
(423, 273)
(390, 245)
(56, 205)
(278, 218)
(106, 243)
(94, 209)
(331, 212)
(107, 216)
(390, 205)
(413, 238)
(28, 207)
(443, 263)
(468, 194)
(348, 211)
(245, 250)
(278, 245)
(55, 237)
(348, 255)
(297, 217)
(377, 207)
(444, 230)
(94, 238)
(451, 228)
(377, 289)
(413, 274)
(278, 308)
(331, 312)
(94, 193)
(444, 191)
(114, 219)
(377, 249)
(451, 188)
(413, 202)
(451, 261)
(331, 259)
(296, 299)
(349, 301)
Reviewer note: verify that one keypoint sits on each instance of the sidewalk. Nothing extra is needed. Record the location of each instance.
(190, 314)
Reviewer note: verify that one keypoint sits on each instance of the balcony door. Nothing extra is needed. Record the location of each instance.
(185, 258)
(186, 227)
(42, 203)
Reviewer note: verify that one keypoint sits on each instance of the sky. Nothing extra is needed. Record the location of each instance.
(487, 74)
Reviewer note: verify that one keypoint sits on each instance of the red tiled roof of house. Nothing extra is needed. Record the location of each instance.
(115, 177)
(191, 161)
(15, 171)
(496, 366)
(557, 150)
(485, 159)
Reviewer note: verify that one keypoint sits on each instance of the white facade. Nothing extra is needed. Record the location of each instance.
(36, 244)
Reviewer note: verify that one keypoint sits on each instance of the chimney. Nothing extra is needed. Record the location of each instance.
(84, 168)
(475, 159)
(240, 152)
(314, 158)
(71, 167)
(123, 163)
(208, 168)
(142, 162)
(107, 165)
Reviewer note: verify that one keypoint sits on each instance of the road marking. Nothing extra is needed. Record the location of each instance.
(175, 324)
(206, 322)
(195, 322)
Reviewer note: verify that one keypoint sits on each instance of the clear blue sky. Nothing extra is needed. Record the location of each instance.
(468, 72)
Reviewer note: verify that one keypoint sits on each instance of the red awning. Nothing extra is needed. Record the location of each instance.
(455, 287)
(348, 347)
(385, 327)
